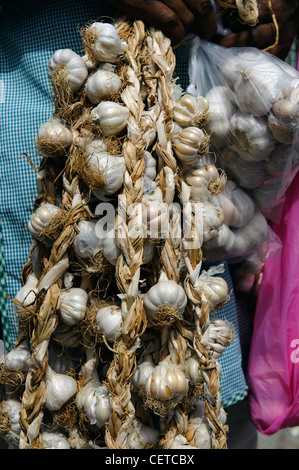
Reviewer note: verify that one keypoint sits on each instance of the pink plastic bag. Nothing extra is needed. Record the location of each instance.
(273, 371)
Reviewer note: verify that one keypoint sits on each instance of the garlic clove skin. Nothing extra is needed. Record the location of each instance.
(166, 382)
(18, 358)
(54, 440)
(10, 410)
(59, 389)
(87, 244)
(215, 289)
(112, 117)
(109, 321)
(101, 84)
(73, 305)
(74, 65)
(104, 44)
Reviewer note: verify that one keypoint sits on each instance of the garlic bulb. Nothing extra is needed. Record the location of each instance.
(242, 172)
(221, 109)
(282, 130)
(155, 219)
(111, 251)
(166, 382)
(73, 65)
(87, 244)
(147, 124)
(180, 442)
(258, 86)
(112, 117)
(109, 321)
(208, 225)
(41, 219)
(165, 301)
(150, 171)
(198, 433)
(102, 42)
(53, 138)
(18, 358)
(54, 440)
(59, 389)
(251, 137)
(220, 246)
(215, 289)
(236, 205)
(110, 169)
(143, 371)
(10, 421)
(27, 294)
(250, 237)
(193, 370)
(101, 84)
(191, 110)
(220, 336)
(190, 143)
(199, 178)
(73, 305)
(141, 436)
(95, 146)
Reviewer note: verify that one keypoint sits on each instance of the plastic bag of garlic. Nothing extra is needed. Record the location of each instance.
(116, 348)
(254, 118)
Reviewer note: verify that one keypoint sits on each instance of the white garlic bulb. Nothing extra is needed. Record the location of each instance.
(208, 225)
(53, 137)
(140, 435)
(258, 86)
(180, 442)
(242, 172)
(18, 358)
(221, 108)
(41, 218)
(73, 64)
(100, 84)
(199, 178)
(27, 294)
(55, 440)
(283, 130)
(251, 137)
(103, 42)
(111, 251)
(155, 219)
(73, 305)
(10, 410)
(166, 382)
(59, 389)
(112, 117)
(143, 371)
(87, 243)
(109, 321)
(191, 110)
(111, 169)
(198, 433)
(165, 301)
(220, 337)
(219, 247)
(252, 236)
(193, 370)
(190, 143)
(215, 289)
(150, 171)
(236, 205)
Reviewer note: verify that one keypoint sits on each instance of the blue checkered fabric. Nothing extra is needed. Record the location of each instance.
(30, 32)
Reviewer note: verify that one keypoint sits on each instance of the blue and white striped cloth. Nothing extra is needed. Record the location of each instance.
(30, 32)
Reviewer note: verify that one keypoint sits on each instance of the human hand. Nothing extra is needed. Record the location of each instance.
(175, 18)
(263, 34)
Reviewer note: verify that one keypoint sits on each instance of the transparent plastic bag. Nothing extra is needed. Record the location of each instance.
(253, 117)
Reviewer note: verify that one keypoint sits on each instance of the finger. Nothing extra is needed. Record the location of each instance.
(205, 19)
(182, 11)
(154, 13)
(260, 37)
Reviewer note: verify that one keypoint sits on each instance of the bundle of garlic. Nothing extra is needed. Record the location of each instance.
(253, 117)
(115, 341)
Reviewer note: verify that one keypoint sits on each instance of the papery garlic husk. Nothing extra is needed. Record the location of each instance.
(220, 337)
(221, 108)
(191, 110)
(141, 436)
(41, 219)
(87, 243)
(215, 289)
(60, 388)
(18, 358)
(112, 117)
(236, 205)
(102, 84)
(73, 305)
(251, 137)
(242, 172)
(93, 398)
(165, 302)
(27, 294)
(258, 87)
(190, 143)
(166, 382)
(55, 440)
(53, 138)
(198, 433)
(102, 42)
(193, 370)
(106, 173)
(10, 428)
(109, 321)
(73, 66)
(143, 371)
